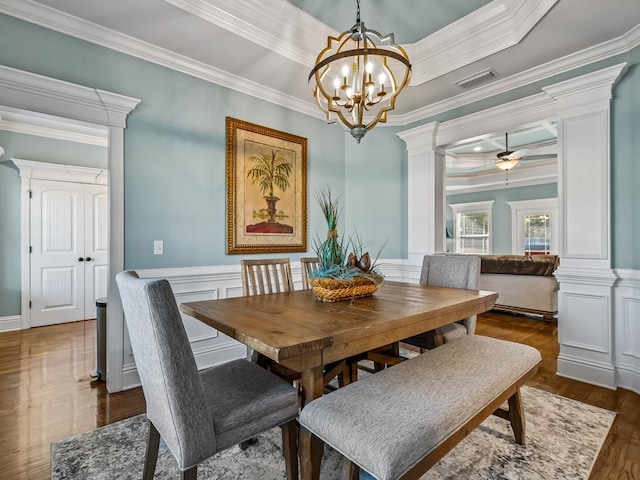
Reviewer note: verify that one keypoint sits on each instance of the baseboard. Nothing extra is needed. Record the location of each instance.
(629, 378)
(584, 371)
(13, 322)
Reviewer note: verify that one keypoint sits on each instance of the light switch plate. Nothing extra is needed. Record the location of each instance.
(158, 247)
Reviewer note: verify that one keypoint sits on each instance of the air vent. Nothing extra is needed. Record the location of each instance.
(476, 79)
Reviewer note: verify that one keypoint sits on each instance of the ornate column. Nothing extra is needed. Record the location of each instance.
(585, 301)
(426, 192)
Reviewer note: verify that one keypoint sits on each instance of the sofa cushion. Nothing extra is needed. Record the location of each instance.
(543, 265)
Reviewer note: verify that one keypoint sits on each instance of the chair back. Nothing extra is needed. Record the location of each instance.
(171, 383)
(264, 276)
(308, 265)
(456, 271)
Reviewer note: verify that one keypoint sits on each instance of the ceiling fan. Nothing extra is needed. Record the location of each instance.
(508, 159)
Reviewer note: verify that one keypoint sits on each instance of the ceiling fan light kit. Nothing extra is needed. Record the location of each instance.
(506, 164)
(358, 76)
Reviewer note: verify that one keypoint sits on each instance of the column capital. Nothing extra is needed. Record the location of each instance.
(421, 139)
(586, 89)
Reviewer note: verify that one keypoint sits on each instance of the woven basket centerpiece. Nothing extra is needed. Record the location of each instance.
(341, 276)
(335, 289)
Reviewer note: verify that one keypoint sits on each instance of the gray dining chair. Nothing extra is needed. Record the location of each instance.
(457, 271)
(198, 414)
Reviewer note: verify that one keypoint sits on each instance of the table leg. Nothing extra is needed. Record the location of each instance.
(310, 447)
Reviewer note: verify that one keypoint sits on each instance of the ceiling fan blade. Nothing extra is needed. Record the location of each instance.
(483, 166)
(538, 157)
(519, 153)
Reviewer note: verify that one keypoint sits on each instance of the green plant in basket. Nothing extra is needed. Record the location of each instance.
(346, 270)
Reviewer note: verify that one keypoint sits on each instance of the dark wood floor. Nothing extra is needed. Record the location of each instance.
(46, 394)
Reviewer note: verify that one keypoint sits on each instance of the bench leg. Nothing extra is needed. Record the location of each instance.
(516, 417)
(350, 471)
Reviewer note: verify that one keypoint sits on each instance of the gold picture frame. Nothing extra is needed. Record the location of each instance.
(266, 180)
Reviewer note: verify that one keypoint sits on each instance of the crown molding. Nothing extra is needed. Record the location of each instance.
(524, 14)
(611, 48)
(296, 40)
(61, 22)
(488, 30)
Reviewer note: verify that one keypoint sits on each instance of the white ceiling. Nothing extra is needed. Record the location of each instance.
(241, 43)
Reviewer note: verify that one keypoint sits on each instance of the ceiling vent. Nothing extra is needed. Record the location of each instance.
(477, 78)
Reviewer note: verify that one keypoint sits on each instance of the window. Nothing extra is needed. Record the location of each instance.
(472, 227)
(537, 234)
(534, 226)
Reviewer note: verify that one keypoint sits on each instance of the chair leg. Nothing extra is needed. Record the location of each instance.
(290, 448)
(191, 474)
(516, 417)
(151, 455)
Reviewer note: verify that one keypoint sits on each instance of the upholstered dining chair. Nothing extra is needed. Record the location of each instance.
(266, 276)
(198, 414)
(457, 271)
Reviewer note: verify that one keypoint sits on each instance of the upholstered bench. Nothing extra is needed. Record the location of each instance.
(396, 424)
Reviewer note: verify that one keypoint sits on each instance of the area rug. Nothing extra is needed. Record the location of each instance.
(563, 440)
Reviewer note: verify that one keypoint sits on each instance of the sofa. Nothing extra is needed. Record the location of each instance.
(525, 283)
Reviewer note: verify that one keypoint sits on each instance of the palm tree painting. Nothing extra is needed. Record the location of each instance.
(270, 170)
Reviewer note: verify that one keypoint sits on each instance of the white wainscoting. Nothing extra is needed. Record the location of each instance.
(627, 329)
(609, 357)
(192, 284)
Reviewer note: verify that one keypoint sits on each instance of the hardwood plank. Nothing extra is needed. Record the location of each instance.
(46, 394)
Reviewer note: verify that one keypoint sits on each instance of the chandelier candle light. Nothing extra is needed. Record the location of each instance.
(355, 78)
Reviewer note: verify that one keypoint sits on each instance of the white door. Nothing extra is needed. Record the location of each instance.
(96, 241)
(68, 250)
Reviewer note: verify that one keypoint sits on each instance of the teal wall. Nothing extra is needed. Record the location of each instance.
(501, 213)
(28, 147)
(175, 159)
(376, 174)
(625, 167)
(174, 150)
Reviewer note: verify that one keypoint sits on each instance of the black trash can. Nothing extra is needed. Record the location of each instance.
(101, 339)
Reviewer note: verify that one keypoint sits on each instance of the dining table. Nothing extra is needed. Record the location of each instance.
(303, 333)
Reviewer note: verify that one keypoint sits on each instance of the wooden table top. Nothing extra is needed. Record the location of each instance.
(290, 326)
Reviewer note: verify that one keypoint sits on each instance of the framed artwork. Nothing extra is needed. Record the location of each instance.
(266, 189)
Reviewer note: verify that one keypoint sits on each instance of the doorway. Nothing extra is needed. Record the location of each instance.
(65, 234)
(68, 244)
(37, 93)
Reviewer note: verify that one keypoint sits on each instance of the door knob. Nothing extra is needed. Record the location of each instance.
(88, 259)
(80, 259)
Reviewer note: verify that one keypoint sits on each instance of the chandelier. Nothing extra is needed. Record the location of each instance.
(358, 76)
